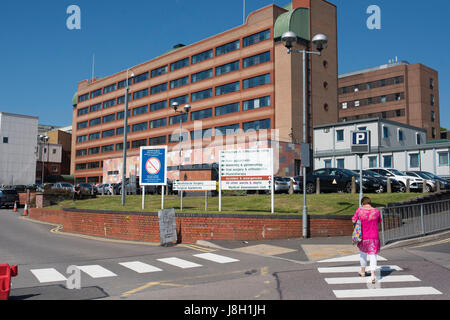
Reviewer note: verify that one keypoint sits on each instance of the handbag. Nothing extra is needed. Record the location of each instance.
(357, 231)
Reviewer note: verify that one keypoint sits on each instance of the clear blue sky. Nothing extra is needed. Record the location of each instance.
(41, 61)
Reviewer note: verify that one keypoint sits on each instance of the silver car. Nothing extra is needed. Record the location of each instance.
(282, 184)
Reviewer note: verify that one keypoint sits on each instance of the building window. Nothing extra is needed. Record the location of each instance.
(109, 88)
(80, 139)
(383, 99)
(180, 100)
(5, 140)
(140, 94)
(200, 95)
(344, 105)
(94, 136)
(443, 158)
(109, 103)
(256, 81)
(80, 166)
(82, 125)
(140, 110)
(158, 105)
(139, 143)
(400, 135)
(433, 133)
(256, 103)
(94, 165)
(226, 68)
(373, 162)
(108, 148)
(340, 163)
(257, 59)
(179, 64)
(83, 111)
(227, 88)
(141, 77)
(357, 103)
(432, 99)
(226, 109)
(83, 97)
(176, 119)
(201, 134)
(159, 71)
(158, 123)
(229, 47)
(96, 93)
(414, 161)
(109, 118)
(431, 83)
(256, 125)
(385, 132)
(119, 146)
(95, 150)
(81, 153)
(226, 130)
(95, 122)
(256, 38)
(123, 83)
(157, 141)
(418, 138)
(202, 56)
(387, 161)
(95, 107)
(140, 127)
(339, 135)
(179, 82)
(433, 116)
(120, 115)
(202, 75)
(327, 163)
(177, 138)
(201, 114)
(108, 133)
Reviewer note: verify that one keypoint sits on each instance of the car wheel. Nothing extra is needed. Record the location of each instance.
(379, 190)
(402, 187)
(429, 188)
(310, 188)
(348, 187)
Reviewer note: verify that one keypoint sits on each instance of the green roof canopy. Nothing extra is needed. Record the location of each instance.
(75, 99)
(296, 21)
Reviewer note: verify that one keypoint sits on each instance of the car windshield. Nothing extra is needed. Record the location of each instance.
(348, 172)
(423, 175)
(396, 172)
(373, 174)
(430, 175)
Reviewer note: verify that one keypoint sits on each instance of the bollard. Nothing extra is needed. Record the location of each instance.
(317, 186)
(6, 272)
(389, 189)
(438, 186)
(291, 187)
(408, 187)
(354, 185)
(424, 187)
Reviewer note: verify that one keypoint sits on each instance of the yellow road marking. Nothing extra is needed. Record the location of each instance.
(197, 248)
(432, 243)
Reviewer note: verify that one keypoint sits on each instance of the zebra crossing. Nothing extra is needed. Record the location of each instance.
(385, 274)
(95, 271)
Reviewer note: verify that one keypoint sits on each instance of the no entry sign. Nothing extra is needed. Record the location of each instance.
(153, 163)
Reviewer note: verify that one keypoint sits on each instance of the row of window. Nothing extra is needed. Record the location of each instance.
(383, 115)
(387, 161)
(196, 96)
(208, 54)
(173, 138)
(372, 85)
(386, 134)
(373, 100)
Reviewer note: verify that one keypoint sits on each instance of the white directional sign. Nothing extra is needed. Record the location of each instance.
(194, 185)
(249, 169)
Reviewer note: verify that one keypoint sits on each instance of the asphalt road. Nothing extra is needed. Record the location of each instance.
(118, 270)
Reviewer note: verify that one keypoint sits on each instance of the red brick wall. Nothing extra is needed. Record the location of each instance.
(192, 227)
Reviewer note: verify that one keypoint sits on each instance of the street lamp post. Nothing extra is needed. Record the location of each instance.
(185, 110)
(125, 131)
(43, 139)
(321, 42)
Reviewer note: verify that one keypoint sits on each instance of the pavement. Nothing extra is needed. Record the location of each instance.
(309, 250)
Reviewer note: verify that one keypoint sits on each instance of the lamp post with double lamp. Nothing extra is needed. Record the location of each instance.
(125, 131)
(43, 139)
(185, 111)
(320, 41)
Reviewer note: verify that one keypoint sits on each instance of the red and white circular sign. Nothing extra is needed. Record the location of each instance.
(153, 166)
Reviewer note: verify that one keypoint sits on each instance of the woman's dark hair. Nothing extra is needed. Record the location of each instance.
(365, 200)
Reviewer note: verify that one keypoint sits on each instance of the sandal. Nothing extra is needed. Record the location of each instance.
(362, 274)
(373, 280)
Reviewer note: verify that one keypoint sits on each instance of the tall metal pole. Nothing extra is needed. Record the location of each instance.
(305, 209)
(360, 180)
(125, 129)
(179, 168)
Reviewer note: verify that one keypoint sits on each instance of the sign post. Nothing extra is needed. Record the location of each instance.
(360, 146)
(247, 169)
(153, 161)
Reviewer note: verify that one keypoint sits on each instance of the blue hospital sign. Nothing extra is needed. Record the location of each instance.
(360, 142)
(153, 166)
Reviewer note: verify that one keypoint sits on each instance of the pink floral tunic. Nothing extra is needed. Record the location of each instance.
(370, 218)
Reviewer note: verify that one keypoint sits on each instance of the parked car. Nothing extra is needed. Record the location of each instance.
(396, 186)
(415, 184)
(8, 197)
(431, 184)
(335, 179)
(296, 181)
(431, 177)
(281, 184)
(108, 188)
(89, 188)
(63, 185)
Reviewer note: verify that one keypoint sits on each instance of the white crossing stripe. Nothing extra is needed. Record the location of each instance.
(215, 257)
(349, 280)
(177, 262)
(140, 267)
(96, 271)
(386, 292)
(356, 269)
(351, 258)
(48, 275)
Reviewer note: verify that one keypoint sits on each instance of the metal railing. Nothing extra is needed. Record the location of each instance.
(409, 221)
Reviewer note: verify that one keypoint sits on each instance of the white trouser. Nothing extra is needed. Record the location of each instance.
(363, 260)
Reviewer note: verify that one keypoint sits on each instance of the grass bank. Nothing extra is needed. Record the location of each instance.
(334, 203)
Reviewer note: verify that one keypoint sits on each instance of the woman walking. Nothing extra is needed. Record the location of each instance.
(370, 244)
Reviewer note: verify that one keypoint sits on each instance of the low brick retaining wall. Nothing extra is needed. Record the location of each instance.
(193, 227)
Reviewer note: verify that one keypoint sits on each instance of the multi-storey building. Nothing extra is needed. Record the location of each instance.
(237, 82)
(402, 92)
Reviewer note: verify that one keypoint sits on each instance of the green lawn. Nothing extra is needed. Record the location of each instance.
(335, 203)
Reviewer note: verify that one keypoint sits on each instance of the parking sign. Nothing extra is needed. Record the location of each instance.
(153, 164)
(360, 142)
